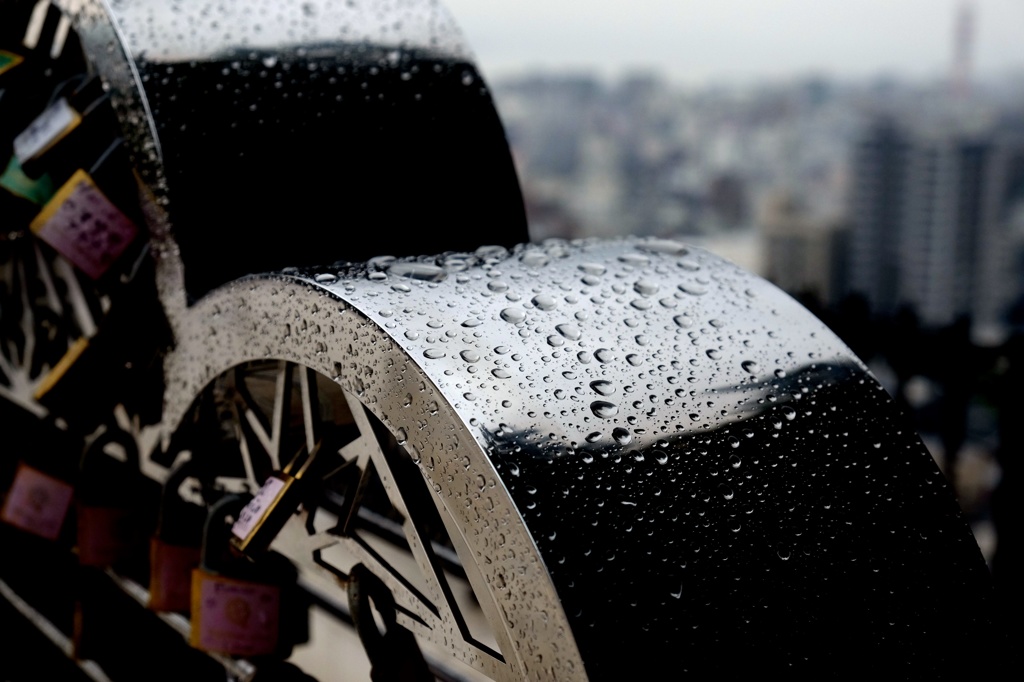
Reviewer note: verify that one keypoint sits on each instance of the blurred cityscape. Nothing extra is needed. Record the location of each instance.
(894, 209)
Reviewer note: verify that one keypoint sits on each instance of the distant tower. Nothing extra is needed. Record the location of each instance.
(963, 47)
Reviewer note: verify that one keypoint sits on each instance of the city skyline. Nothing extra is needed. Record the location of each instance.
(738, 41)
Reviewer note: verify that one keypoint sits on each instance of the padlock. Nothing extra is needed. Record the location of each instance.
(175, 547)
(85, 142)
(241, 607)
(82, 224)
(31, 66)
(41, 490)
(37, 502)
(115, 505)
(279, 497)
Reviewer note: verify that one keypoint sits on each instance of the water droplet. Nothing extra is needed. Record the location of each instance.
(734, 461)
(491, 252)
(325, 278)
(386, 312)
(584, 357)
(544, 302)
(412, 335)
(727, 492)
(401, 286)
(555, 341)
(693, 289)
(780, 373)
(433, 353)
(604, 409)
(421, 271)
(594, 436)
(501, 350)
(604, 355)
(789, 412)
(497, 286)
(593, 269)
(714, 354)
(470, 355)
(569, 331)
(513, 315)
(684, 321)
(634, 359)
(535, 259)
(400, 436)
(472, 322)
(603, 387)
(750, 366)
(641, 304)
(501, 373)
(784, 554)
(634, 259)
(660, 456)
(469, 396)
(645, 287)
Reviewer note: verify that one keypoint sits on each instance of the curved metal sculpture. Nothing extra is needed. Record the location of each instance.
(638, 457)
(652, 457)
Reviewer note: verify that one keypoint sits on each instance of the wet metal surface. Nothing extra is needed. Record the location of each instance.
(652, 455)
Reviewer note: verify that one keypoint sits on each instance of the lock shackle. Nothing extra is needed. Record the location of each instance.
(216, 549)
(104, 480)
(113, 435)
(180, 522)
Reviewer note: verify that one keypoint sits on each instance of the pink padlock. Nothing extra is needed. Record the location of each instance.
(37, 502)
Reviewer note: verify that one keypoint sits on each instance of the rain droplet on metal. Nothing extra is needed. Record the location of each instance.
(544, 302)
(569, 331)
(604, 409)
(684, 321)
(621, 436)
(513, 315)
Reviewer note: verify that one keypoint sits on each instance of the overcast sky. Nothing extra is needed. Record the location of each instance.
(701, 40)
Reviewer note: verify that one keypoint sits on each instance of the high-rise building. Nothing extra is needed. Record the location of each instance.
(931, 214)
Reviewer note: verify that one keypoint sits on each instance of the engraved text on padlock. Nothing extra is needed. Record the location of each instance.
(234, 617)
